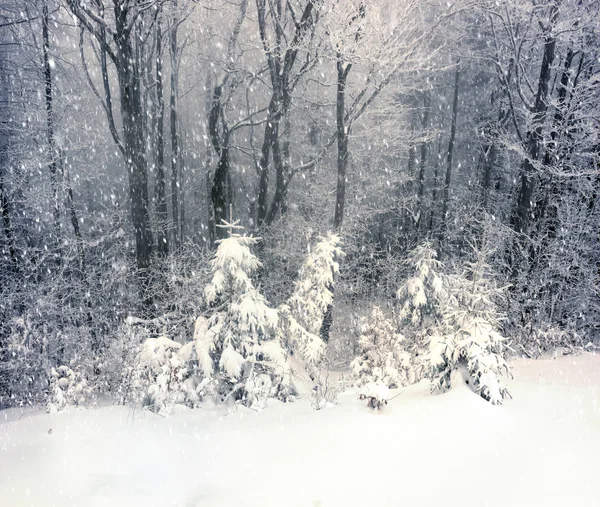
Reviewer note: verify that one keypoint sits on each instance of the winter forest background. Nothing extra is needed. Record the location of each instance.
(204, 199)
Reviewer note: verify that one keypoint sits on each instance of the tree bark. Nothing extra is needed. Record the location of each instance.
(131, 111)
(162, 238)
(436, 178)
(422, 160)
(53, 152)
(522, 213)
(175, 144)
(7, 224)
(5, 205)
(342, 141)
(280, 70)
(220, 142)
(83, 273)
(450, 154)
(119, 47)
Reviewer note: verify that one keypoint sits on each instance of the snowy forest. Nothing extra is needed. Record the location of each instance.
(246, 207)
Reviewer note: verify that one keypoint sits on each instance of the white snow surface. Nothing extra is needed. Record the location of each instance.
(540, 449)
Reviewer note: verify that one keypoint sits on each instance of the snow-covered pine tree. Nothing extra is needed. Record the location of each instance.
(302, 314)
(473, 342)
(382, 357)
(420, 303)
(238, 348)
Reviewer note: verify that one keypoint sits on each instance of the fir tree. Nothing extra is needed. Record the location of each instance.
(472, 341)
(302, 315)
(420, 302)
(238, 348)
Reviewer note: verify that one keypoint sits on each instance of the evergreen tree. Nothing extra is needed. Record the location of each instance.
(472, 341)
(238, 348)
(420, 302)
(302, 315)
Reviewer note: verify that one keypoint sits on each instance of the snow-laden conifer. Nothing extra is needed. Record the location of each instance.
(472, 340)
(420, 303)
(302, 315)
(238, 348)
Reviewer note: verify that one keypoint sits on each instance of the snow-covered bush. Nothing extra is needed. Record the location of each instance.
(420, 302)
(382, 357)
(471, 340)
(376, 393)
(325, 392)
(547, 338)
(166, 377)
(238, 348)
(68, 387)
(23, 368)
(301, 317)
(120, 370)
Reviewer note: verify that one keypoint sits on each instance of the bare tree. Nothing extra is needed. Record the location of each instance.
(117, 36)
(281, 54)
(396, 55)
(535, 133)
(221, 132)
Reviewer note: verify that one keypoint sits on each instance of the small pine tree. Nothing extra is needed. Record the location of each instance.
(420, 302)
(238, 348)
(302, 315)
(472, 341)
(382, 357)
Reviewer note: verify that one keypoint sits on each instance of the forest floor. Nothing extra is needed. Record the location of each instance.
(540, 449)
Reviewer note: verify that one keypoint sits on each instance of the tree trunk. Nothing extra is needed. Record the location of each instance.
(422, 161)
(219, 192)
(5, 207)
(220, 143)
(175, 145)
(160, 185)
(287, 160)
(208, 175)
(436, 179)
(131, 110)
(280, 67)
(120, 48)
(342, 131)
(53, 153)
(522, 213)
(83, 274)
(181, 185)
(6, 222)
(281, 161)
(450, 154)
(342, 141)
(265, 154)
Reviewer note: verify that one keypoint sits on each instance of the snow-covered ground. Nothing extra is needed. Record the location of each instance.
(540, 449)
